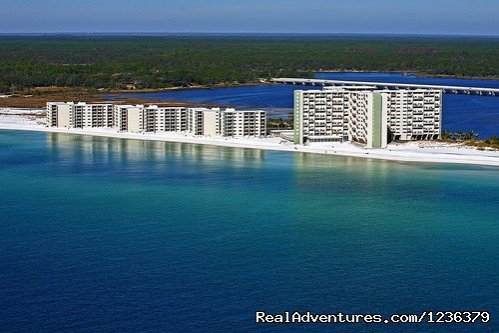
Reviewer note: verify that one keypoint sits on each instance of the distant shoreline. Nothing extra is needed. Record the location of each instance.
(258, 83)
(414, 73)
(193, 87)
(99, 96)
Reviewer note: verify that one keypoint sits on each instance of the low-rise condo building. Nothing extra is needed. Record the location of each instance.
(79, 115)
(58, 114)
(128, 118)
(153, 118)
(365, 115)
(228, 122)
(243, 123)
(168, 119)
(203, 121)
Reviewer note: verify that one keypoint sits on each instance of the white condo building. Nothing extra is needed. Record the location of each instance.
(228, 122)
(127, 118)
(140, 118)
(79, 115)
(203, 121)
(243, 123)
(365, 115)
(153, 118)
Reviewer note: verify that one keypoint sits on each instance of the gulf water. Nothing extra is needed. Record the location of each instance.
(460, 112)
(109, 235)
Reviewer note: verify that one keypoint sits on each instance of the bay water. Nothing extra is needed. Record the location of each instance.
(460, 112)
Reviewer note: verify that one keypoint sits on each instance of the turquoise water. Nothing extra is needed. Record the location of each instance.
(101, 234)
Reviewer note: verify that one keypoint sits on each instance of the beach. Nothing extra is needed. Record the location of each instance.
(421, 151)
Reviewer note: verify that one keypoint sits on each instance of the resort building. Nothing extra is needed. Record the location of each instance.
(58, 114)
(365, 115)
(228, 122)
(167, 119)
(79, 115)
(414, 114)
(128, 118)
(243, 123)
(140, 118)
(153, 118)
(203, 121)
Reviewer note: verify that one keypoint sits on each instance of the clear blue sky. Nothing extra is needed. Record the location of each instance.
(473, 17)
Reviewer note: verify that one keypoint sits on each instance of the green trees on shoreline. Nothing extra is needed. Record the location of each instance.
(459, 135)
(471, 139)
(120, 62)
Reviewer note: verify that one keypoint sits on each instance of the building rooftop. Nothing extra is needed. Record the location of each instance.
(241, 111)
(367, 88)
(350, 88)
(58, 103)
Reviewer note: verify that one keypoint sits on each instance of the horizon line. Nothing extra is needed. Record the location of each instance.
(130, 33)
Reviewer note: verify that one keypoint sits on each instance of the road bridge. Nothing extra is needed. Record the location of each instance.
(394, 86)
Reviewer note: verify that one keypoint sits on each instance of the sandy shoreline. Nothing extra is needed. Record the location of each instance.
(193, 87)
(428, 152)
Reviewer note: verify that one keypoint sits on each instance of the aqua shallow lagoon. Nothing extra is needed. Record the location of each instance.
(101, 234)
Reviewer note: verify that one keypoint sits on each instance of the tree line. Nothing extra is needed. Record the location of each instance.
(118, 62)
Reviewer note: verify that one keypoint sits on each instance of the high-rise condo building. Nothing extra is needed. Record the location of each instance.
(362, 114)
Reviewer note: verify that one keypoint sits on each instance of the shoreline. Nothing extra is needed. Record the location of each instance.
(258, 83)
(210, 86)
(38, 100)
(415, 73)
(420, 152)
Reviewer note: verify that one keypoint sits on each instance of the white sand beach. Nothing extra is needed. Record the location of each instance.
(423, 151)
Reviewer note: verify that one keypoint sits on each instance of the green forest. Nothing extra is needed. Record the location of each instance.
(118, 62)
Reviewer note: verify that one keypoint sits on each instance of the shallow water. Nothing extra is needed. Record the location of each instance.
(102, 234)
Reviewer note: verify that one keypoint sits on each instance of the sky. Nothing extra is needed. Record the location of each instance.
(459, 17)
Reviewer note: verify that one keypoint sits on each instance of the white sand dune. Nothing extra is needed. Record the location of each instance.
(21, 111)
(429, 152)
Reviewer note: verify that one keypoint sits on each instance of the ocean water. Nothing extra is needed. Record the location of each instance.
(109, 235)
(461, 112)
